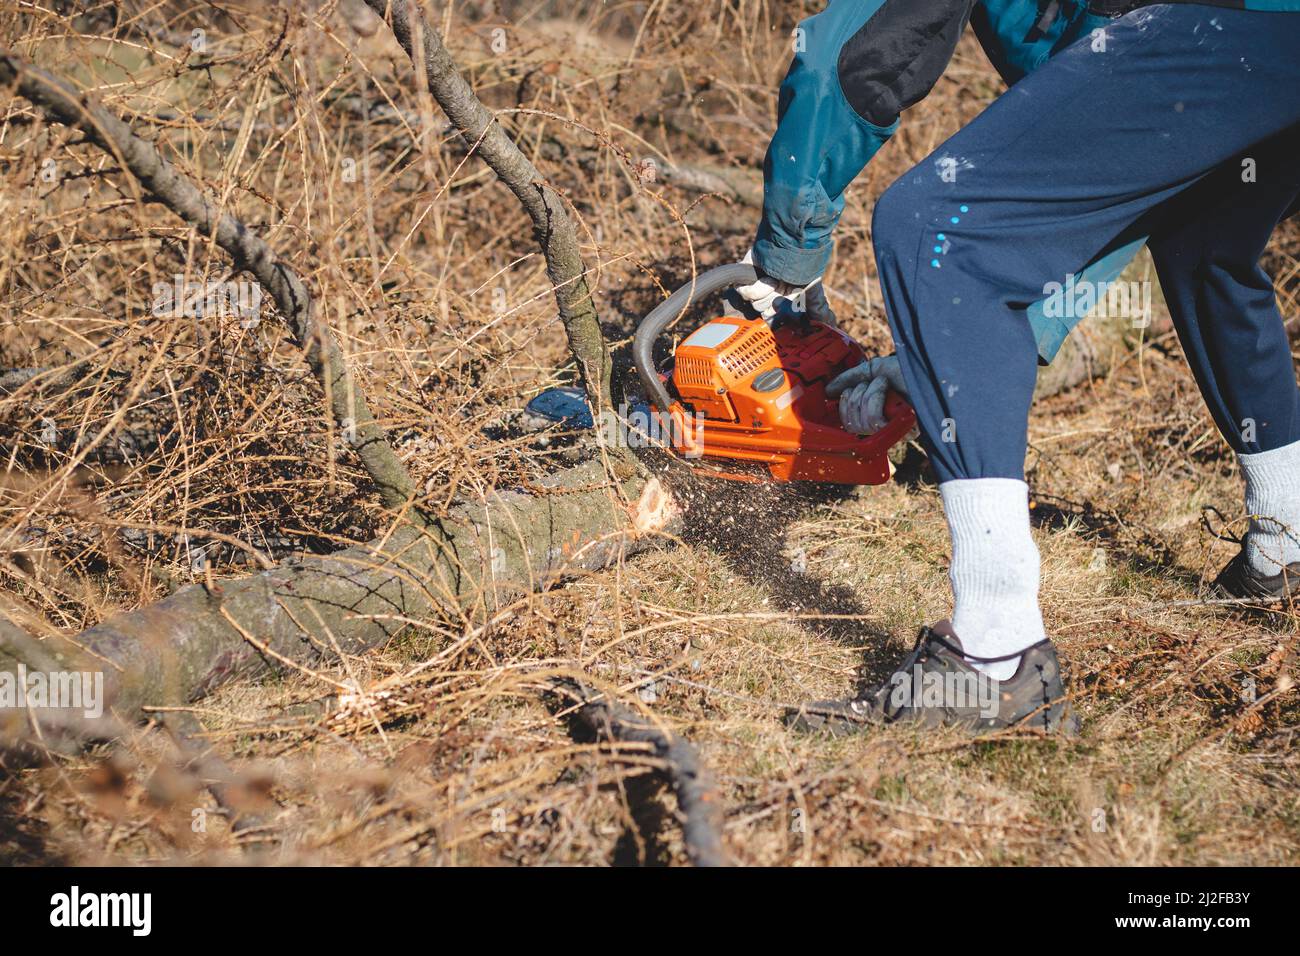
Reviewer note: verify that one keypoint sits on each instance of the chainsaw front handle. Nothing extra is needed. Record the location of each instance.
(662, 315)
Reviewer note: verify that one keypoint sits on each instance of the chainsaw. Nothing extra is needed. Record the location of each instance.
(746, 397)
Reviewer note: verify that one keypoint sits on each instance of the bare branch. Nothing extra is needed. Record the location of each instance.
(691, 783)
(62, 103)
(552, 226)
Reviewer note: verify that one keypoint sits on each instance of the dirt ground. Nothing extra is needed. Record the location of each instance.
(450, 751)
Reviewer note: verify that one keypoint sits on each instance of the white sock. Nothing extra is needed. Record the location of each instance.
(1273, 496)
(994, 570)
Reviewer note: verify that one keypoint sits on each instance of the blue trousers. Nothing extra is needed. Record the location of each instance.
(1181, 123)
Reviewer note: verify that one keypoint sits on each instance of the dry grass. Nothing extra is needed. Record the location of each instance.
(439, 298)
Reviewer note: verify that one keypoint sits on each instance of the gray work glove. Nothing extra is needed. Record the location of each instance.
(767, 296)
(861, 391)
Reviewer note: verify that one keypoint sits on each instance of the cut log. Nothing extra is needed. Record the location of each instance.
(311, 610)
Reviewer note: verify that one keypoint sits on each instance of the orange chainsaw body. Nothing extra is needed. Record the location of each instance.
(749, 395)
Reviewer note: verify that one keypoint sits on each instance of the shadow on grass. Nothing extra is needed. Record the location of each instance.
(745, 524)
(1140, 549)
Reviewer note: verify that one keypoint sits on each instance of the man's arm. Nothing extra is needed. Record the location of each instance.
(857, 65)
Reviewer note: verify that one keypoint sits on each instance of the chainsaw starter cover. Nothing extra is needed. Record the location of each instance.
(748, 394)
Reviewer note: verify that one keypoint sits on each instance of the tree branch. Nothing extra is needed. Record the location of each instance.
(696, 798)
(552, 226)
(60, 102)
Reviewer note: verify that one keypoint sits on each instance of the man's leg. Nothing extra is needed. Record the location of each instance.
(1207, 250)
(1070, 160)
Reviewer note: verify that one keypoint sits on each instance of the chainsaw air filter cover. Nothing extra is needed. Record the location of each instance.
(750, 394)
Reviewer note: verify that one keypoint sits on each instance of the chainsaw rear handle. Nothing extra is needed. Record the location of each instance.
(653, 325)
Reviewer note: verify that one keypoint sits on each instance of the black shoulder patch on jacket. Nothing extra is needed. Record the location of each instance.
(897, 56)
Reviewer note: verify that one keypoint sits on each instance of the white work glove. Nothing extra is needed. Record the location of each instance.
(861, 391)
(767, 295)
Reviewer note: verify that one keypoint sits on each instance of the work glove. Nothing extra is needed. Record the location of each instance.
(861, 391)
(769, 297)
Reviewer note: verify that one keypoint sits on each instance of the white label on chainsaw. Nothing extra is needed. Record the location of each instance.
(712, 335)
(786, 400)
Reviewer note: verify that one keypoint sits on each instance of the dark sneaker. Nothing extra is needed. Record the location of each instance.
(1239, 580)
(936, 686)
